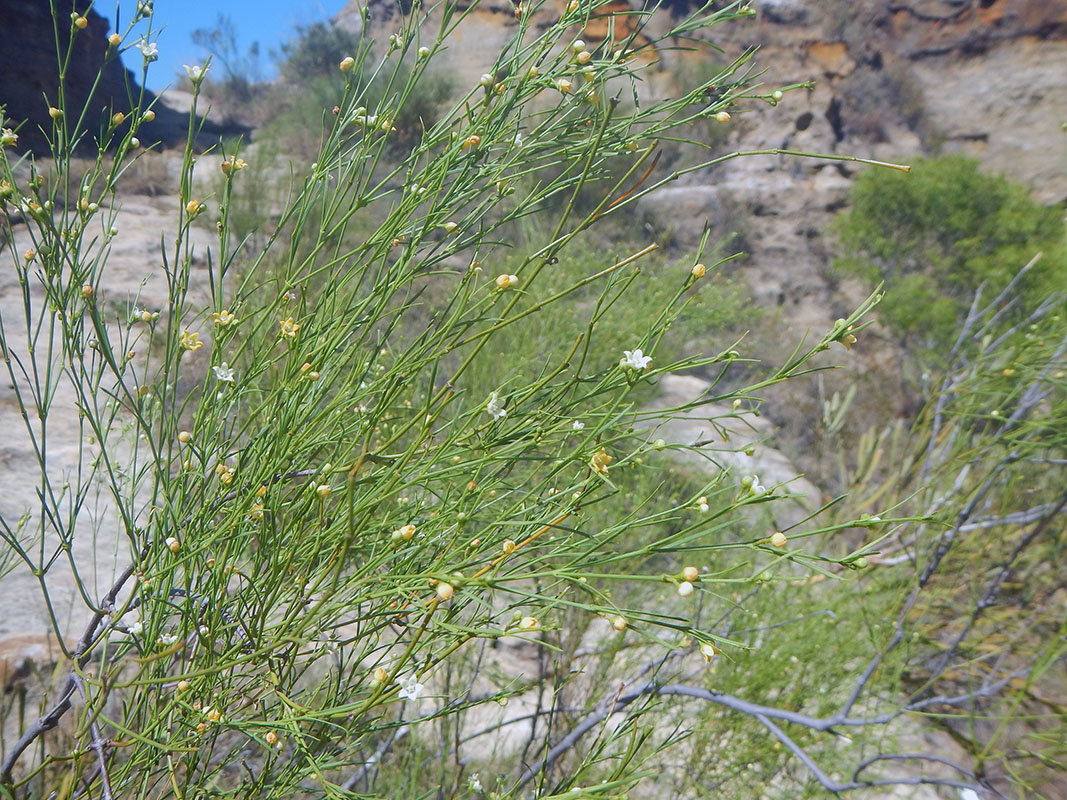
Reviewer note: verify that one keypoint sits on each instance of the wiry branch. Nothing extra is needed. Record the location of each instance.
(769, 716)
(80, 656)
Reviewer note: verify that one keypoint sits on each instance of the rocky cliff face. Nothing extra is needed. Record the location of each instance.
(30, 76)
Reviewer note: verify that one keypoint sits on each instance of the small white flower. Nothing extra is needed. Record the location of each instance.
(168, 639)
(148, 49)
(196, 73)
(635, 359)
(577, 425)
(223, 373)
(495, 408)
(474, 783)
(410, 687)
(757, 488)
(518, 140)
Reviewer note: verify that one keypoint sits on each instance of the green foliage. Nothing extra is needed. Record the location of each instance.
(351, 459)
(388, 467)
(935, 235)
(314, 51)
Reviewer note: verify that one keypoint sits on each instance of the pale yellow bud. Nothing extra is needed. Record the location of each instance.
(690, 574)
(444, 592)
(779, 539)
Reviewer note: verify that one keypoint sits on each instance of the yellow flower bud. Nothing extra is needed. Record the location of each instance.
(690, 574)
(444, 592)
(114, 40)
(619, 624)
(81, 23)
(779, 539)
(346, 63)
(722, 117)
(699, 271)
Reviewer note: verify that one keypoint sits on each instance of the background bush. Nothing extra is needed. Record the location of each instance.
(934, 236)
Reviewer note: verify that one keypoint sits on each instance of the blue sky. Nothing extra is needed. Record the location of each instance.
(267, 21)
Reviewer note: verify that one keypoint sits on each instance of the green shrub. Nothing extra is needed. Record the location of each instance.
(937, 234)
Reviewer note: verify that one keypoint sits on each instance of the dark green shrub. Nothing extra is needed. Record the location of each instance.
(937, 234)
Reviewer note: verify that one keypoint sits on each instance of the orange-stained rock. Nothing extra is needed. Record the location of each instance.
(830, 58)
